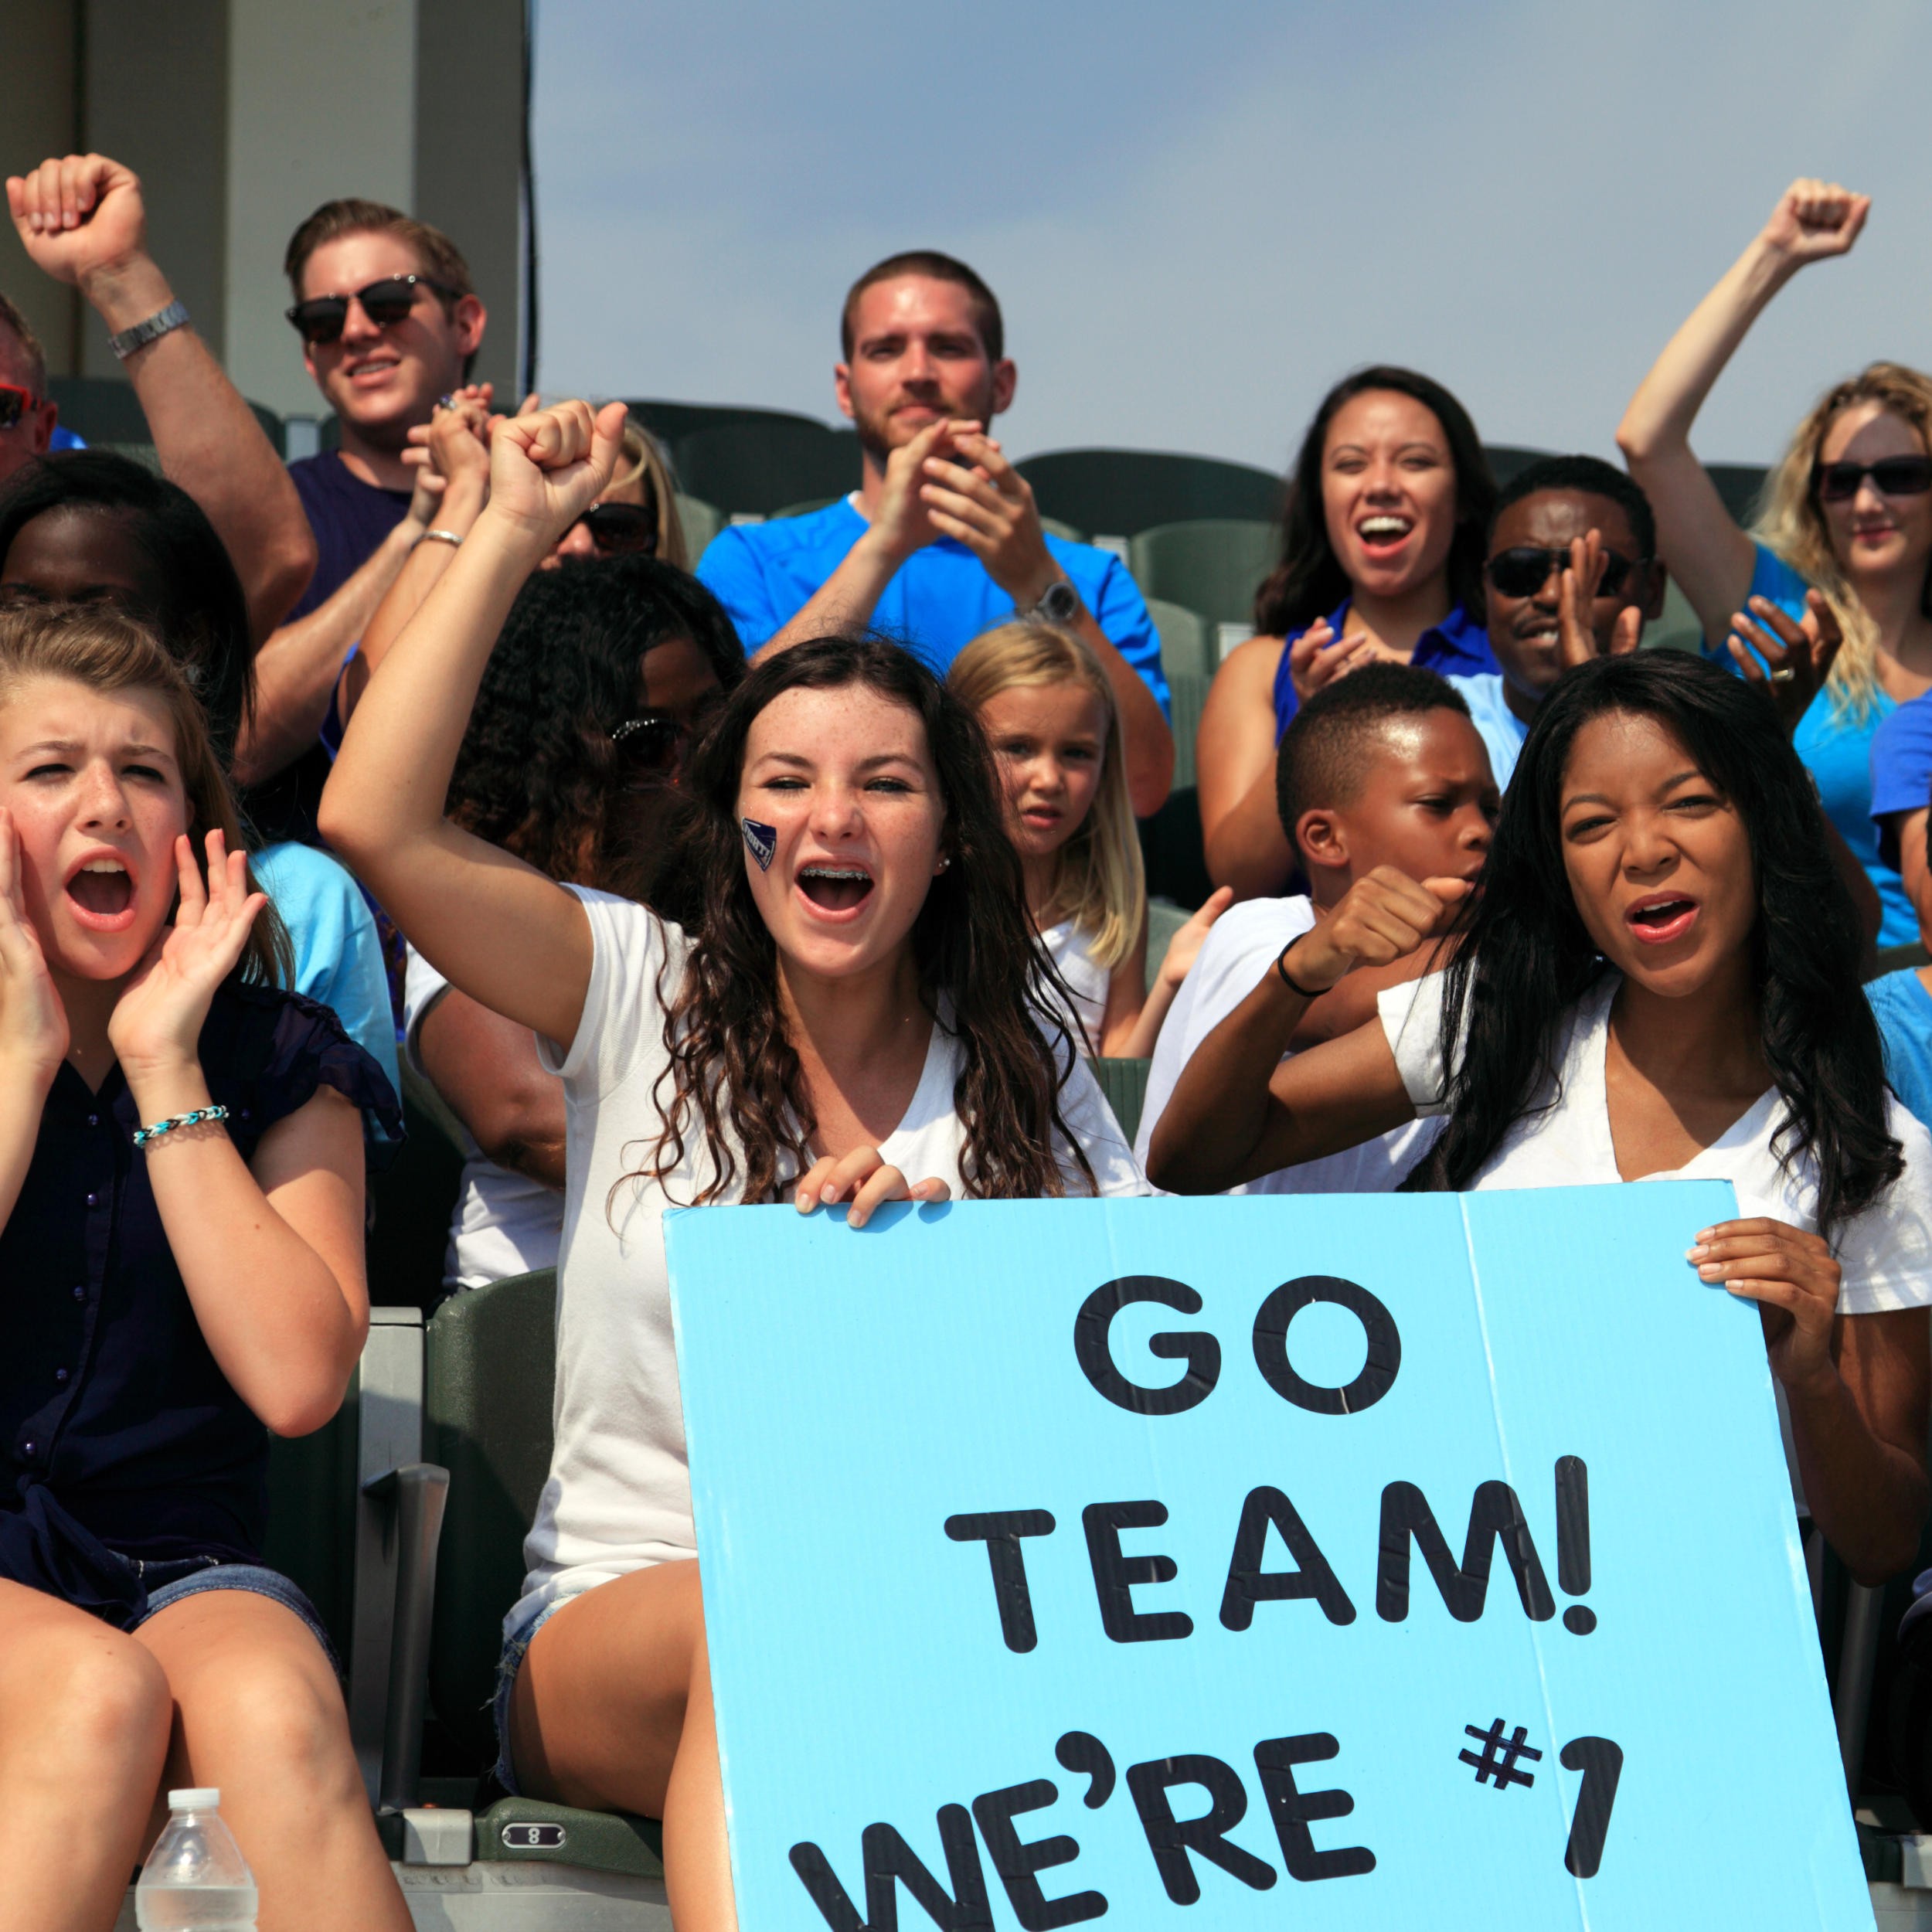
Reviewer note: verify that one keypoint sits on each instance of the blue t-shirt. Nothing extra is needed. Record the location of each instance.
(1901, 769)
(1836, 748)
(1501, 731)
(938, 600)
(339, 958)
(1457, 647)
(1903, 1008)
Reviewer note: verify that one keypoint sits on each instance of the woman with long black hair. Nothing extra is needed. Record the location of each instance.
(852, 1012)
(1384, 529)
(1658, 979)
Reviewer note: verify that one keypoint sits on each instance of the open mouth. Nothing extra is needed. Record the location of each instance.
(835, 889)
(1384, 533)
(1658, 921)
(103, 891)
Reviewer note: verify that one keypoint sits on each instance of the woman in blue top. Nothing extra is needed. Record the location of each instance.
(1382, 541)
(1846, 515)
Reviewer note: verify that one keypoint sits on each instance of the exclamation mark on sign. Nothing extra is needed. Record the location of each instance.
(1572, 1540)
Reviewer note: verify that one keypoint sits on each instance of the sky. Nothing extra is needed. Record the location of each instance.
(1197, 217)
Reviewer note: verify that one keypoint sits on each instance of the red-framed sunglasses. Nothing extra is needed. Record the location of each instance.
(15, 403)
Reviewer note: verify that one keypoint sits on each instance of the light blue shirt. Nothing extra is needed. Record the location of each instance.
(938, 600)
(339, 958)
(1903, 1010)
(1501, 731)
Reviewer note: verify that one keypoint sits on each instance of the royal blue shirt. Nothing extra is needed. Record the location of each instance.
(1458, 647)
(1837, 747)
(938, 600)
(1901, 769)
(120, 1437)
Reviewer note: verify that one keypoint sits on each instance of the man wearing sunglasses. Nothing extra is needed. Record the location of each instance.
(82, 220)
(1538, 627)
(389, 322)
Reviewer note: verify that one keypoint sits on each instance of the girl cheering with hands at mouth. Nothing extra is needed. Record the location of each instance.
(858, 1012)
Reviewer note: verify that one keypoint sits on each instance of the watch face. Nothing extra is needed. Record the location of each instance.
(1061, 604)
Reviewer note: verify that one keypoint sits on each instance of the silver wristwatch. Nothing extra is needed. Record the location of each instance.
(162, 322)
(1059, 604)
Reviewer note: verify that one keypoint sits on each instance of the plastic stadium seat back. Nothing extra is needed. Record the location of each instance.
(413, 1200)
(1214, 567)
(492, 1365)
(1122, 492)
(701, 521)
(755, 468)
(1187, 692)
(1677, 628)
(1164, 920)
(1508, 460)
(667, 421)
(804, 509)
(1187, 644)
(104, 409)
(312, 1516)
(1740, 485)
(1124, 1083)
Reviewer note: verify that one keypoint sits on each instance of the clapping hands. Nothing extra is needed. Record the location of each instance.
(33, 1023)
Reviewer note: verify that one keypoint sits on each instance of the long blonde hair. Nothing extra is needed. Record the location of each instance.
(1790, 523)
(104, 649)
(1099, 883)
(643, 462)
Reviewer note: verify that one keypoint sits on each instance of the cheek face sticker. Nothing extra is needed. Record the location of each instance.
(761, 841)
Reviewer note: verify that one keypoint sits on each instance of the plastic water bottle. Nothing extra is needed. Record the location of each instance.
(195, 1879)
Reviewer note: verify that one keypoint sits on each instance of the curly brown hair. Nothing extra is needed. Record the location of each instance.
(983, 974)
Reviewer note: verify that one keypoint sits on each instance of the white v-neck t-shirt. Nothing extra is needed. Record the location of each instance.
(618, 1497)
(1564, 1141)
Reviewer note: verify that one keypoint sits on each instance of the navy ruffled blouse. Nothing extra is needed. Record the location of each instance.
(119, 1437)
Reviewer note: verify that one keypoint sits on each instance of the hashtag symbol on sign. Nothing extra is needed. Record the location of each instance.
(1499, 1755)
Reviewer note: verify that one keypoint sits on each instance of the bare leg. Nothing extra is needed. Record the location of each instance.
(83, 1730)
(257, 1712)
(612, 1711)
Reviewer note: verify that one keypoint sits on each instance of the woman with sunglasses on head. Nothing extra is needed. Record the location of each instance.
(1844, 533)
(577, 738)
(1383, 532)
(1657, 980)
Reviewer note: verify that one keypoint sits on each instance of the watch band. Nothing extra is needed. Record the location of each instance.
(1059, 603)
(160, 323)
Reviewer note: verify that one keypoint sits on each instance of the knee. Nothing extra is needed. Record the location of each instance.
(288, 1721)
(107, 1696)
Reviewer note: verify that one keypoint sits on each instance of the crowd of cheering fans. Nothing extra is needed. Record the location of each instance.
(808, 870)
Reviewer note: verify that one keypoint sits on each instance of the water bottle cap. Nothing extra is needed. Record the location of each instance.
(202, 1797)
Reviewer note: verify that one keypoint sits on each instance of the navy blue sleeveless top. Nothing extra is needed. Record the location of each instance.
(119, 1437)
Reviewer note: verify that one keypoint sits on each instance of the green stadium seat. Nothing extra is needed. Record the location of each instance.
(104, 411)
(1508, 460)
(1163, 920)
(701, 523)
(667, 421)
(1677, 629)
(1187, 644)
(1124, 1083)
(1123, 492)
(754, 468)
(1213, 565)
(1187, 692)
(805, 509)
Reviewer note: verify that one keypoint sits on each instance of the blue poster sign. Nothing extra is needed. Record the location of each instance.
(1360, 1561)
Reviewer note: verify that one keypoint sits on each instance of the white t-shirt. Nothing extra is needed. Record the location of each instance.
(1067, 945)
(1886, 1252)
(505, 1222)
(618, 1497)
(1241, 948)
(1501, 731)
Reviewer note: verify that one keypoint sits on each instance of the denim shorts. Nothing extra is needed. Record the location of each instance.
(514, 1648)
(169, 1583)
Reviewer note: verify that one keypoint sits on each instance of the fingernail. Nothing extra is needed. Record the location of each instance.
(1710, 1270)
(804, 1200)
(1703, 1234)
(828, 1193)
(1696, 1253)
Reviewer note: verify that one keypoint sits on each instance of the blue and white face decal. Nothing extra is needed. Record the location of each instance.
(761, 842)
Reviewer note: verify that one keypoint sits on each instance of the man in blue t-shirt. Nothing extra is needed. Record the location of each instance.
(942, 539)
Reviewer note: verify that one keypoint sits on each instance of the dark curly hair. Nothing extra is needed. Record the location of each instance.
(540, 773)
(1309, 582)
(982, 971)
(1529, 958)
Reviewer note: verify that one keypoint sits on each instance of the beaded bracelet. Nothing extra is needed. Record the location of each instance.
(143, 1135)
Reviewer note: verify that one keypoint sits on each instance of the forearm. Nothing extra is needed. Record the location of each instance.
(1657, 422)
(207, 441)
(1144, 730)
(297, 669)
(845, 601)
(1247, 849)
(1868, 1496)
(274, 1316)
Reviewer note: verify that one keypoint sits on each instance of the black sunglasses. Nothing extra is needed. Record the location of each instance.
(645, 743)
(1523, 571)
(628, 529)
(321, 318)
(15, 402)
(1891, 476)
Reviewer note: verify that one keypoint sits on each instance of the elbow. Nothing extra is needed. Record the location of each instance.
(1150, 769)
(301, 1411)
(1641, 440)
(349, 833)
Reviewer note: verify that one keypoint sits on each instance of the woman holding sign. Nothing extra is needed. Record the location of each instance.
(1659, 980)
(852, 1017)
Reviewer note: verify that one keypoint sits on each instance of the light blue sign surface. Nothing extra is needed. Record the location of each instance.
(860, 1403)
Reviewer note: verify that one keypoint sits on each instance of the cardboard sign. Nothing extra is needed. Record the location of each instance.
(1352, 1561)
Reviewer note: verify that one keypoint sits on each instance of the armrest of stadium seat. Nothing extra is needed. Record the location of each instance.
(419, 1490)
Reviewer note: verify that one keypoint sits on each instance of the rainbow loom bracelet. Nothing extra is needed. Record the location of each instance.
(143, 1135)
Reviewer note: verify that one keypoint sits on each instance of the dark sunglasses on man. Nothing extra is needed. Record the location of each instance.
(1523, 571)
(1891, 476)
(620, 529)
(15, 403)
(322, 318)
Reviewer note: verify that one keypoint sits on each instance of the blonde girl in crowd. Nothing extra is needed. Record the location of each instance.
(1048, 711)
(853, 1014)
(180, 1191)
